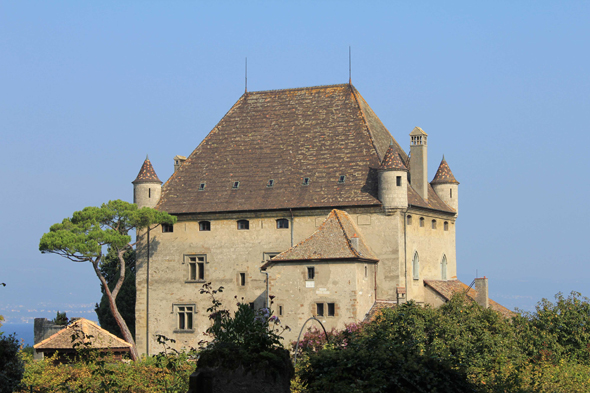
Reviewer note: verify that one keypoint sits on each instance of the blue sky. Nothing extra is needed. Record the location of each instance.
(87, 89)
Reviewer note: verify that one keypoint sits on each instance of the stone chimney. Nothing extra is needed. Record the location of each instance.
(481, 286)
(419, 162)
(178, 161)
(354, 241)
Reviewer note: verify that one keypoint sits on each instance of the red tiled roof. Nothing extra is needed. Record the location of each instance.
(444, 174)
(331, 241)
(100, 338)
(450, 287)
(392, 161)
(147, 174)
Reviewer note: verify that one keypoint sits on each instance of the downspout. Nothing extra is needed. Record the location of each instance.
(406, 252)
(267, 294)
(147, 297)
(292, 220)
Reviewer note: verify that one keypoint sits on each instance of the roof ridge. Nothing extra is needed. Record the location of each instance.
(294, 88)
(348, 242)
(364, 117)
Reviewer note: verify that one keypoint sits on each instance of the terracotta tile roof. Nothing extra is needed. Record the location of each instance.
(434, 201)
(448, 288)
(101, 338)
(332, 240)
(392, 161)
(378, 307)
(146, 174)
(444, 174)
(320, 133)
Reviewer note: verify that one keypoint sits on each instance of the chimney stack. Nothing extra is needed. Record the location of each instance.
(481, 286)
(419, 162)
(354, 241)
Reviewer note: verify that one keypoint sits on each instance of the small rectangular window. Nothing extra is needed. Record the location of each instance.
(242, 279)
(252, 306)
(282, 223)
(398, 181)
(243, 224)
(204, 225)
(281, 311)
(421, 222)
(306, 181)
(201, 266)
(433, 224)
(236, 184)
(270, 183)
(451, 193)
(409, 219)
(320, 309)
(446, 226)
(268, 255)
(167, 228)
(311, 273)
(341, 179)
(184, 315)
(331, 309)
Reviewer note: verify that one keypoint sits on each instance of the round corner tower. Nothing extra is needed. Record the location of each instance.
(446, 186)
(147, 187)
(393, 182)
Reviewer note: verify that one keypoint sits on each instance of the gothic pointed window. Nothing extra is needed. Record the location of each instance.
(416, 266)
(443, 266)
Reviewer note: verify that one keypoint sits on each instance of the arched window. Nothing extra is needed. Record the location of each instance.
(443, 267)
(243, 224)
(433, 224)
(409, 220)
(282, 223)
(204, 225)
(416, 266)
(421, 222)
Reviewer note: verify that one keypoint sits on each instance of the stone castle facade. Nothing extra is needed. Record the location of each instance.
(303, 195)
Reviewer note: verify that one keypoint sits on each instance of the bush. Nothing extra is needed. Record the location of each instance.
(11, 363)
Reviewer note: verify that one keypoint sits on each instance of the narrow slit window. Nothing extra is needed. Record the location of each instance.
(270, 183)
(204, 225)
(202, 187)
(416, 267)
(331, 309)
(366, 271)
(306, 181)
(341, 179)
(451, 193)
(150, 193)
(282, 223)
(252, 306)
(311, 273)
(201, 266)
(236, 185)
(398, 181)
(242, 279)
(281, 311)
(319, 309)
(243, 224)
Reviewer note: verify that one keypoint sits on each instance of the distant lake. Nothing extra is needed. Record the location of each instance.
(23, 331)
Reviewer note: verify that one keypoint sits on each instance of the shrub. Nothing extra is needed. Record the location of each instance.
(11, 364)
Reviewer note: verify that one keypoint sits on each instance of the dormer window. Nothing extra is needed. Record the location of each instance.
(305, 181)
(236, 185)
(202, 187)
(270, 183)
(341, 179)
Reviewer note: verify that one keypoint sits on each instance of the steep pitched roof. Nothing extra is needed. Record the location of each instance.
(444, 174)
(450, 287)
(100, 339)
(434, 201)
(392, 161)
(332, 240)
(320, 133)
(147, 174)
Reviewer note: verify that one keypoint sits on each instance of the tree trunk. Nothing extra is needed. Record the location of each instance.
(118, 318)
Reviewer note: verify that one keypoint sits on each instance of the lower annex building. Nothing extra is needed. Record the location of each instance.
(304, 195)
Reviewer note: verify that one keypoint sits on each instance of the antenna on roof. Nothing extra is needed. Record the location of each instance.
(147, 157)
(349, 65)
(246, 74)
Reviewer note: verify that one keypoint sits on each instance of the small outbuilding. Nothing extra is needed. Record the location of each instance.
(82, 333)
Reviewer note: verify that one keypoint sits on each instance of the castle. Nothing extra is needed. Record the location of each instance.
(303, 195)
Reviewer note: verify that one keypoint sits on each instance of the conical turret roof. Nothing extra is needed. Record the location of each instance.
(444, 174)
(392, 161)
(147, 174)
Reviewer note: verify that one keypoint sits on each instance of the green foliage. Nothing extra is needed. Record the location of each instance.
(60, 319)
(557, 331)
(11, 364)
(248, 338)
(126, 298)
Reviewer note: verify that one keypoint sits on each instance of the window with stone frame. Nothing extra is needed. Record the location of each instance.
(282, 223)
(243, 224)
(416, 266)
(184, 317)
(443, 267)
(196, 267)
(311, 273)
(204, 225)
(166, 228)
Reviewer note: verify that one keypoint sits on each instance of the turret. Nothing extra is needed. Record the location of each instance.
(446, 186)
(419, 162)
(147, 188)
(393, 181)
